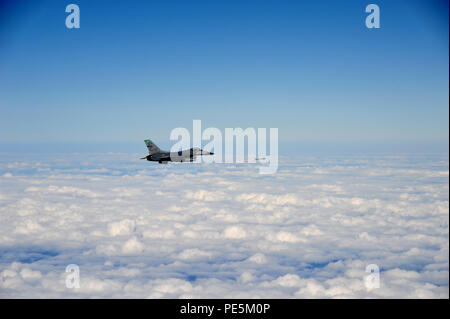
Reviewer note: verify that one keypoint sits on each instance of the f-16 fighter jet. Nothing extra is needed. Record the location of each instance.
(155, 154)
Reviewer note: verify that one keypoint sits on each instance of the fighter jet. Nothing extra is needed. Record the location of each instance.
(155, 154)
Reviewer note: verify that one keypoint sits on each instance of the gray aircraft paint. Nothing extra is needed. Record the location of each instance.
(155, 154)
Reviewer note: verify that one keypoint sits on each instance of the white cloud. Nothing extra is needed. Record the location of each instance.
(285, 237)
(194, 254)
(311, 230)
(234, 232)
(29, 274)
(262, 198)
(28, 226)
(143, 230)
(258, 258)
(123, 227)
(204, 195)
(132, 246)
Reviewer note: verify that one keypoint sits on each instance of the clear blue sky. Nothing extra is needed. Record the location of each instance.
(137, 69)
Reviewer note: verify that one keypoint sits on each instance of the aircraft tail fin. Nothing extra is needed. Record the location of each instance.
(152, 148)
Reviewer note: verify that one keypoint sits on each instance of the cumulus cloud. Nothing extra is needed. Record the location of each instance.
(123, 227)
(143, 230)
(194, 254)
(258, 258)
(204, 195)
(132, 246)
(234, 232)
(29, 274)
(284, 237)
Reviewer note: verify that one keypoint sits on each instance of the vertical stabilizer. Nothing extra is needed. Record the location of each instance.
(152, 148)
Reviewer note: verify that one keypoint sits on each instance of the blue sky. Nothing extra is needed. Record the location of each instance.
(138, 69)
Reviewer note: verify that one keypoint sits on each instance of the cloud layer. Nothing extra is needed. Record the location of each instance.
(144, 230)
